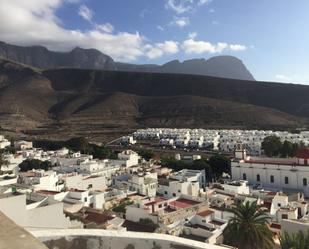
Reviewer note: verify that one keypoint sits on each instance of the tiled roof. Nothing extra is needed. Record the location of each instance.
(303, 153)
(205, 213)
(98, 218)
(183, 203)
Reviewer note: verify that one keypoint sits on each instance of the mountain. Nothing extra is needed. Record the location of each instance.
(61, 103)
(41, 57)
(218, 66)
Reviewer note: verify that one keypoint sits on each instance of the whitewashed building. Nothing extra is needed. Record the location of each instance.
(274, 173)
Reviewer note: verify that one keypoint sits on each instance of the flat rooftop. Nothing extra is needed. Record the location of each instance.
(183, 203)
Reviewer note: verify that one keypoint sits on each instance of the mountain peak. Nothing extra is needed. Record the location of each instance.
(39, 56)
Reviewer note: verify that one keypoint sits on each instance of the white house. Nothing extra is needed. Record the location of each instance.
(129, 158)
(4, 142)
(23, 145)
(90, 182)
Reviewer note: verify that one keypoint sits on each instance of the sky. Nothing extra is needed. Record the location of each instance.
(271, 37)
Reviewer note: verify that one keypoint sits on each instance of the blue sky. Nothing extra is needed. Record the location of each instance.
(270, 36)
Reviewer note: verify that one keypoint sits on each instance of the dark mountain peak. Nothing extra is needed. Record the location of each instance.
(41, 57)
(173, 62)
(224, 58)
(232, 67)
(195, 60)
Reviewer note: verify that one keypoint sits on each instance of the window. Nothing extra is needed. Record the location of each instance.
(203, 221)
(305, 182)
(284, 216)
(179, 191)
(279, 204)
(85, 199)
(165, 192)
(272, 179)
(244, 176)
(258, 178)
(286, 180)
(165, 204)
(160, 205)
(174, 194)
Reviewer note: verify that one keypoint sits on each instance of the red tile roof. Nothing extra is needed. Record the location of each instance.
(206, 213)
(46, 192)
(183, 203)
(98, 218)
(303, 153)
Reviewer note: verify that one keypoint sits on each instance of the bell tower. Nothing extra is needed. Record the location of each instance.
(240, 151)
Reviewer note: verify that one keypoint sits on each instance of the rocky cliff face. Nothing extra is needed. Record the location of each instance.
(40, 57)
(68, 102)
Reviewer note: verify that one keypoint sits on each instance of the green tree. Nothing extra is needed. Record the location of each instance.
(78, 144)
(287, 149)
(219, 164)
(295, 241)
(248, 228)
(30, 164)
(146, 154)
(272, 146)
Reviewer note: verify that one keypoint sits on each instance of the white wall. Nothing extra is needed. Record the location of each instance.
(104, 239)
(295, 175)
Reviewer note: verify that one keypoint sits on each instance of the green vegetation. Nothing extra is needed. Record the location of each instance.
(146, 154)
(295, 241)
(30, 164)
(8, 150)
(248, 228)
(148, 222)
(273, 147)
(220, 164)
(121, 208)
(214, 166)
(77, 144)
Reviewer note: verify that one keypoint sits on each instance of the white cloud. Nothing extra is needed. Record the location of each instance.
(182, 6)
(158, 49)
(85, 13)
(237, 47)
(33, 22)
(202, 2)
(159, 27)
(107, 27)
(191, 46)
(143, 13)
(180, 21)
(215, 22)
(294, 78)
(192, 35)
(212, 11)
(283, 77)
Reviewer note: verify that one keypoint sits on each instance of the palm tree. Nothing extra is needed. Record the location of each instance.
(248, 229)
(294, 241)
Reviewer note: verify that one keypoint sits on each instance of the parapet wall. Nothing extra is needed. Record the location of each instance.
(104, 239)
